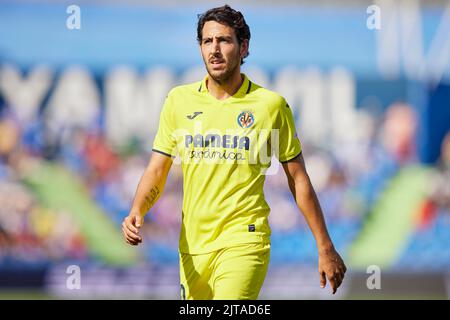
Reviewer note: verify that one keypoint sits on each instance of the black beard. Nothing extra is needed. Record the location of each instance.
(224, 77)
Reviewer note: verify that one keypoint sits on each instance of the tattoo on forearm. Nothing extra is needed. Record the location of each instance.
(151, 197)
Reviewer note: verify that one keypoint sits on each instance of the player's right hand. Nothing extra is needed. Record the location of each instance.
(130, 228)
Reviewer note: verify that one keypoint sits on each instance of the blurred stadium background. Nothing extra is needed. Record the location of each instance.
(79, 110)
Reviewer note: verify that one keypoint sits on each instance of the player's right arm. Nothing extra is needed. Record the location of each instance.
(148, 191)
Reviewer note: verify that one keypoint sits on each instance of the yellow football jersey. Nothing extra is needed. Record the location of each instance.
(225, 147)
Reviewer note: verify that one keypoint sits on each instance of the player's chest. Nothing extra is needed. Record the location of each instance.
(225, 117)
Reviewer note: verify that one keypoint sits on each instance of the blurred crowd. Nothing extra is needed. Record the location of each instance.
(31, 234)
(349, 179)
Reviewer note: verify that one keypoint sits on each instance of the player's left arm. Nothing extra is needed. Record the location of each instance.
(331, 265)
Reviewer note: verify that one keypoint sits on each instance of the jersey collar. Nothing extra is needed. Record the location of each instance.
(243, 90)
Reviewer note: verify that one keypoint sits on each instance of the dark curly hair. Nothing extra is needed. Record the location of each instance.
(230, 17)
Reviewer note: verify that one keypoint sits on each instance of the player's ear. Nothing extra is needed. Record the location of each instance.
(244, 48)
(200, 48)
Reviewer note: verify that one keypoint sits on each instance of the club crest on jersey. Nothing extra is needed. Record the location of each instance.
(245, 119)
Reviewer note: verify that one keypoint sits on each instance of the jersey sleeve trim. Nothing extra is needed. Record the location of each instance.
(290, 159)
(161, 152)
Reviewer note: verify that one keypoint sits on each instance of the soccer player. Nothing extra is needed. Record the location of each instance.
(219, 127)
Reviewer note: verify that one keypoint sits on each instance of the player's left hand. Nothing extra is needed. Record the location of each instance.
(331, 266)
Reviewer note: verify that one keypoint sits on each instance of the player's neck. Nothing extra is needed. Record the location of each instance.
(226, 89)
